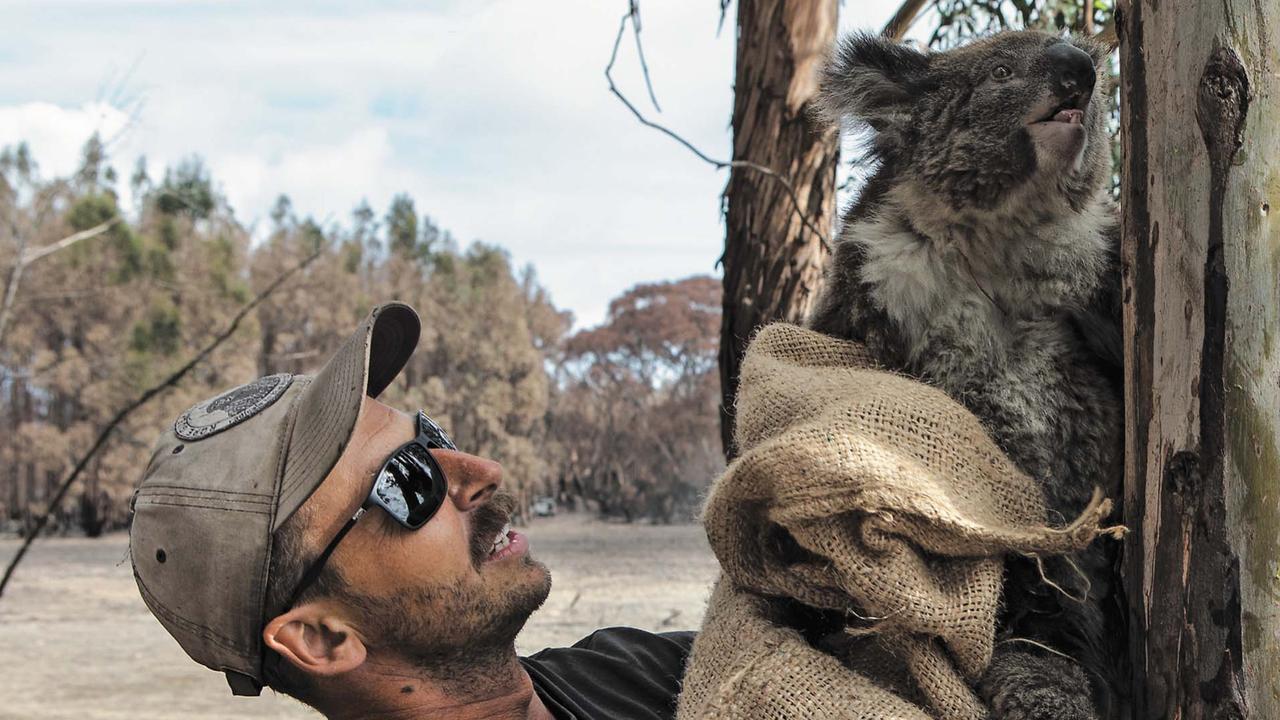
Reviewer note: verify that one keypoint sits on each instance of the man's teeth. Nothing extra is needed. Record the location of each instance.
(501, 541)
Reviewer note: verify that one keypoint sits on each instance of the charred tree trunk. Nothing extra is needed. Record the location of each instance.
(1201, 173)
(772, 262)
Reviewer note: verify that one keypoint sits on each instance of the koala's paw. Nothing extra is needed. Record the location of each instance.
(1025, 686)
(1031, 704)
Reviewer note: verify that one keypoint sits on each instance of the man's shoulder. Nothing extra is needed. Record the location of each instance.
(624, 649)
(626, 672)
(625, 640)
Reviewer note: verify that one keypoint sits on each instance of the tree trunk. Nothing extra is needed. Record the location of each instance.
(1202, 310)
(772, 262)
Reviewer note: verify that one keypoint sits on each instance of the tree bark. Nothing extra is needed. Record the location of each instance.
(1200, 89)
(772, 262)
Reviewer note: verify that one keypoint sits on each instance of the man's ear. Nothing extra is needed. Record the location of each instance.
(315, 641)
(873, 79)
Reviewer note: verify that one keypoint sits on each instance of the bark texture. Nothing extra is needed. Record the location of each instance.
(772, 262)
(1201, 172)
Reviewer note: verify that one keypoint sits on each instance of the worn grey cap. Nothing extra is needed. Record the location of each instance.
(229, 472)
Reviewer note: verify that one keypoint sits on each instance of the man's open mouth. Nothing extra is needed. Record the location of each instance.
(491, 534)
(501, 540)
(507, 543)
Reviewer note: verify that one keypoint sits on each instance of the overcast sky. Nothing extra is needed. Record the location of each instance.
(493, 114)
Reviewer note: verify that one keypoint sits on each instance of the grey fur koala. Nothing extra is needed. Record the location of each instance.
(982, 258)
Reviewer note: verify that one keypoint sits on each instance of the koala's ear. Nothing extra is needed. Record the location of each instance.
(871, 78)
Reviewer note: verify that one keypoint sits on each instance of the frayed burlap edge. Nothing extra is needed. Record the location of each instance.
(865, 493)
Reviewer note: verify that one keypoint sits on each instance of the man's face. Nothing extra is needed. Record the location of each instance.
(437, 597)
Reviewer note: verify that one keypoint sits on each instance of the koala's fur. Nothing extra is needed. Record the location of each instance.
(982, 257)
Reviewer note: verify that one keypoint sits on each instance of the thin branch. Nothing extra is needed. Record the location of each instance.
(25, 258)
(131, 105)
(644, 66)
(718, 164)
(141, 400)
(70, 240)
(15, 277)
(901, 21)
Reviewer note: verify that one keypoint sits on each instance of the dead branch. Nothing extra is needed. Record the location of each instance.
(141, 400)
(901, 21)
(644, 66)
(15, 277)
(632, 16)
(25, 258)
(69, 240)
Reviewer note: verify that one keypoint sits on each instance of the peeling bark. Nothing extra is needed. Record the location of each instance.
(1202, 309)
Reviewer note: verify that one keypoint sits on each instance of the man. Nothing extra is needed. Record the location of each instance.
(297, 533)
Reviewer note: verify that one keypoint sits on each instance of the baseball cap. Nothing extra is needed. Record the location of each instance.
(228, 473)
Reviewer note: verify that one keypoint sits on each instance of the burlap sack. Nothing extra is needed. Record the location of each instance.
(869, 494)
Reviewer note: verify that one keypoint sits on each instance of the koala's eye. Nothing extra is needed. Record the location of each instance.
(1001, 72)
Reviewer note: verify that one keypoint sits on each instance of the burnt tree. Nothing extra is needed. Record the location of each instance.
(773, 258)
(1201, 174)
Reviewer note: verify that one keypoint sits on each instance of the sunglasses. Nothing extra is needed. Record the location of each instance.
(410, 487)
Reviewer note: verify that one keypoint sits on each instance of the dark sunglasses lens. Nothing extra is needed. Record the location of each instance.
(411, 487)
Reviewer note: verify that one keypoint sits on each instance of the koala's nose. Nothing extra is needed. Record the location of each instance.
(1071, 69)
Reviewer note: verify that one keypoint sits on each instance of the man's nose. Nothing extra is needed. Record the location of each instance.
(1072, 71)
(472, 480)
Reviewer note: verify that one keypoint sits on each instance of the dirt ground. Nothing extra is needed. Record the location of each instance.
(76, 642)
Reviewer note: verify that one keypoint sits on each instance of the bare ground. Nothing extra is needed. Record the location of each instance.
(76, 642)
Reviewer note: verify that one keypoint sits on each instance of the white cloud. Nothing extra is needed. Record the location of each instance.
(326, 180)
(56, 134)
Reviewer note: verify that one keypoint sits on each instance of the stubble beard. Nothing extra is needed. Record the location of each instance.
(461, 637)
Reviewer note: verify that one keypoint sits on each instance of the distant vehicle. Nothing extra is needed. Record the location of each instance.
(543, 507)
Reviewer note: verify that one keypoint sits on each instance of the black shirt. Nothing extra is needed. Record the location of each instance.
(616, 673)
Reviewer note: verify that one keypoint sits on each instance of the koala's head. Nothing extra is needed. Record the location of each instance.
(975, 123)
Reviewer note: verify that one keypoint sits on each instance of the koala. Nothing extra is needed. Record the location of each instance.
(982, 257)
